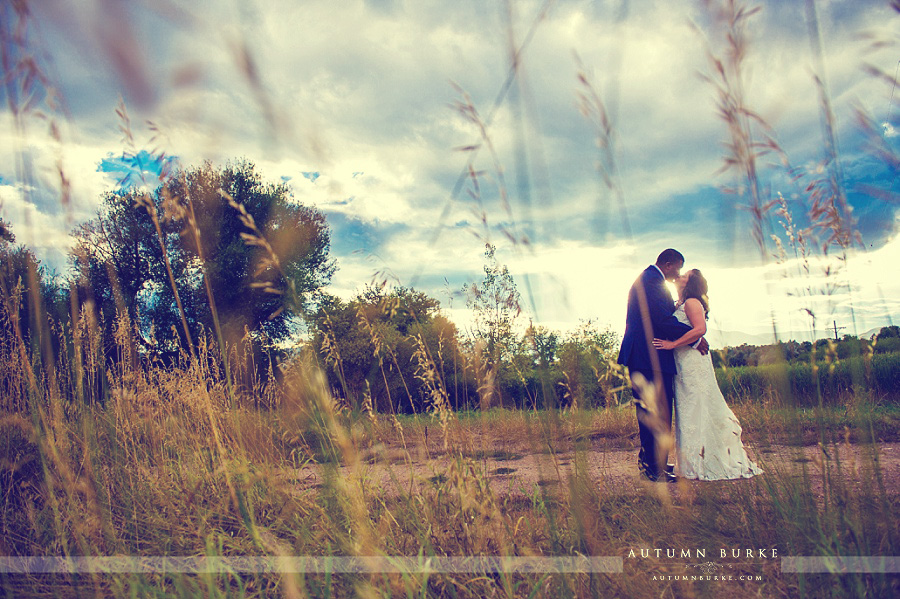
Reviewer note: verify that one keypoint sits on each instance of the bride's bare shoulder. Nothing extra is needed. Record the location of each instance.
(694, 310)
(692, 301)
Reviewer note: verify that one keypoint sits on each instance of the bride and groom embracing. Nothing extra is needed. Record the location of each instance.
(670, 366)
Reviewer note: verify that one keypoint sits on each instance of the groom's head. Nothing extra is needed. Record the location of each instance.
(670, 262)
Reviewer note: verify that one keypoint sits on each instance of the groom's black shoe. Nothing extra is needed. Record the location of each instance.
(665, 477)
(670, 468)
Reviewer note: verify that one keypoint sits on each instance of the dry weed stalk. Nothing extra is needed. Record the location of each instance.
(466, 108)
(333, 352)
(594, 109)
(367, 405)
(270, 259)
(428, 373)
(568, 394)
(750, 135)
(31, 94)
(143, 200)
(181, 210)
(485, 371)
(378, 346)
(798, 244)
(830, 212)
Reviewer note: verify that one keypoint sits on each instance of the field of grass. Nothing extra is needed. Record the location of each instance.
(169, 468)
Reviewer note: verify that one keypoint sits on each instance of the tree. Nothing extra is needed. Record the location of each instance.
(120, 270)
(545, 345)
(210, 251)
(6, 234)
(584, 359)
(889, 332)
(495, 306)
(28, 293)
(374, 343)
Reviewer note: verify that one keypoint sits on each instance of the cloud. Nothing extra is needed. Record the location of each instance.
(351, 106)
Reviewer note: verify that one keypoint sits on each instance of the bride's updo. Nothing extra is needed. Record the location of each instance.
(697, 288)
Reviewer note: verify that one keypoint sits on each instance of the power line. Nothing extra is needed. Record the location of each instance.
(893, 87)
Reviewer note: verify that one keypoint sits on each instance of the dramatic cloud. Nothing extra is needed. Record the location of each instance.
(356, 106)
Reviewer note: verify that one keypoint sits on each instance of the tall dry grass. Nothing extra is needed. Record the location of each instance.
(150, 473)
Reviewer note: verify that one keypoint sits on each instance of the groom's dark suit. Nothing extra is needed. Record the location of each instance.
(657, 366)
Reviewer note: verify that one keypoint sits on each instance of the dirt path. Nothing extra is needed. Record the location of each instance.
(613, 470)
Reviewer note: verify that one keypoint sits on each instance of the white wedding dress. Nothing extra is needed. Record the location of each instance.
(707, 434)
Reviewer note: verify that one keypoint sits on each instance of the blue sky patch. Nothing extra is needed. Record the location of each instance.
(135, 170)
(349, 235)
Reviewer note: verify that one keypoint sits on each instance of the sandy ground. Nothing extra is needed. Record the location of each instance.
(612, 470)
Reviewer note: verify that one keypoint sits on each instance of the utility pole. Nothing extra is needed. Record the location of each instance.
(836, 327)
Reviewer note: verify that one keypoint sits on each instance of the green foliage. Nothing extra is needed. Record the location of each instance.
(28, 296)
(128, 256)
(371, 347)
(584, 361)
(799, 384)
(6, 234)
(887, 345)
(368, 347)
(796, 352)
(891, 332)
(796, 373)
(540, 368)
(495, 307)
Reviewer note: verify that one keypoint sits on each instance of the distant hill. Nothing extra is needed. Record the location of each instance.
(719, 339)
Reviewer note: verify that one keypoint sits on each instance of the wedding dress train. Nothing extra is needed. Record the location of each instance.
(707, 434)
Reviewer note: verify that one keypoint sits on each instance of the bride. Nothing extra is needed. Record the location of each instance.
(707, 434)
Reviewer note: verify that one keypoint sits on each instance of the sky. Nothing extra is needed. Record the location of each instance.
(370, 110)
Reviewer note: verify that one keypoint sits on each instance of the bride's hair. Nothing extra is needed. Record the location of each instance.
(696, 287)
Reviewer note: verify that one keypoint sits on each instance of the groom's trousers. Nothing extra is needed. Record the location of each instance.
(654, 398)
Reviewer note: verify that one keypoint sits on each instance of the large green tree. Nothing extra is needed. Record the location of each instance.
(211, 250)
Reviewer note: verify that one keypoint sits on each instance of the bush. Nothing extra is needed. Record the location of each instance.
(887, 345)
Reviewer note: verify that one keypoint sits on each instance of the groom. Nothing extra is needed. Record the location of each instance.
(652, 371)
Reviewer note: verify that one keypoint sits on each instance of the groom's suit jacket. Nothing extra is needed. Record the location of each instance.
(635, 351)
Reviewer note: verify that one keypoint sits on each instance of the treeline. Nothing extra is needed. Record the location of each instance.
(806, 385)
(218, 271)
(806, 373)
(886, 341)
(393, 351)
